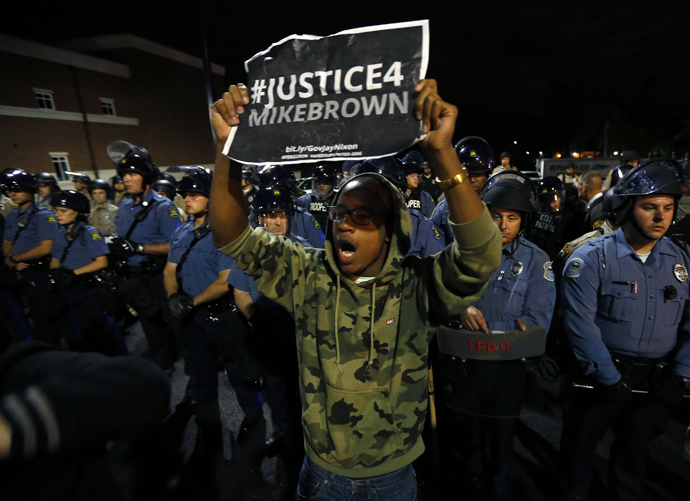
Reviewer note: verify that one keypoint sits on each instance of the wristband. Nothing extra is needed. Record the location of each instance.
(453, 181)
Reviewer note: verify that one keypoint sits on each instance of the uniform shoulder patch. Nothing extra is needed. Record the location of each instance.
(437, 234)
(51, 219)
(574, 268)
(173, 212)
(548, 271)
(95, 236)
(316, 223)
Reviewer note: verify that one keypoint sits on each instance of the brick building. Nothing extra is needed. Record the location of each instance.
(60, 107)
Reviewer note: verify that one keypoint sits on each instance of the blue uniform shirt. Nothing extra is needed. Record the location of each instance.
(615, 303)
(522, 287)
(420, 200)
(426, 239)
(440, 219)
(87, 246)
(203, 263)
(41, 225)
(157, 228)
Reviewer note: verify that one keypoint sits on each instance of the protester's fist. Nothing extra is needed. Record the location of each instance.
(224, 111)
(437, 116)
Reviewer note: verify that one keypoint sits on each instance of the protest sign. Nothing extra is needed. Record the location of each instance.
(341, 97)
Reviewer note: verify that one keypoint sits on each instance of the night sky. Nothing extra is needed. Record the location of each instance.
(552, 75)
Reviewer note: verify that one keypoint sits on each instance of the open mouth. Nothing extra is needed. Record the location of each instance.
(346, 252)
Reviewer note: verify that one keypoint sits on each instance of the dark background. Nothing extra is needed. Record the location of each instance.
(559, 76)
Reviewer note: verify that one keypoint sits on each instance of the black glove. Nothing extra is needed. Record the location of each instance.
(121, 247)
(666, 390)
(618, 393)
(181, 305)
(63, 276)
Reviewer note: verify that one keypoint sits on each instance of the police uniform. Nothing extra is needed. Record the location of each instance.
(316, 206)
(25, 231)
(440, 219)
(103, 218)
(420, 200)
(522, 288)
(305, 225)
(140, 284)
(84, 323)
(212, 328)
(622, 316)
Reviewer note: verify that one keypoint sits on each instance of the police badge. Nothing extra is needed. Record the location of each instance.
(516, 269)
(681, 272)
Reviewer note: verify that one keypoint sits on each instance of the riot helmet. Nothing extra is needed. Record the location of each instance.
(46, 179)
(550, 194)
(510, 190)
(660, 176)
(138, 164)
(14, 179)
(166, 187)
(71, 199)
(196, 181)
(273, 198)
(412, 162)
(389, 167)
(277, 175)
(327, 174)
(100, 184)
(78, 177)
(476, 155)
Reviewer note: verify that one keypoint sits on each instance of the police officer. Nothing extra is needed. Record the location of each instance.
(196, 275)
(167, 188)
(302, 223)
(320, 199)
(426, 238)
(478, 158)
(103, 213)
(145, 223)
(273, 326)
(27, 244)
(79, 260)
(415, 197)
(47, 185)
(119, 187)
(557, 221)
(81, 183)
(624, 295)
(521, 294)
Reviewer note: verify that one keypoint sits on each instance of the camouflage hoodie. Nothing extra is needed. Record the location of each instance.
(363, 375)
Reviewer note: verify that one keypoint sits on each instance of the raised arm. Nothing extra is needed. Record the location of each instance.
(438, 123)
(228, 217)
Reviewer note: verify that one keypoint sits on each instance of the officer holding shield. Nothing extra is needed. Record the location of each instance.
(521, 294)
(625, 312)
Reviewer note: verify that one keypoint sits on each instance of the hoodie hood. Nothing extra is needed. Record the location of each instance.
(401, 237)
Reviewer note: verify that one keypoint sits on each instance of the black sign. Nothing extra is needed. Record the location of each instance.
(341, 97)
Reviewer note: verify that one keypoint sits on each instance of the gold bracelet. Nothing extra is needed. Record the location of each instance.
(455, 180)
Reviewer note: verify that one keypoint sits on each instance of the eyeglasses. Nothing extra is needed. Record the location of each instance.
(359, 216)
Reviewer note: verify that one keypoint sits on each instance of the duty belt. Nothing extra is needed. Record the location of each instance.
(37, 264)
(635, 367)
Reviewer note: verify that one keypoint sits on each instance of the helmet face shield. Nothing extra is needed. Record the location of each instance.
(661, 176)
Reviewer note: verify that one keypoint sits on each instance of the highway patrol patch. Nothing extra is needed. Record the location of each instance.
(516, 269)
(548, 271)
(437, 234)
(681, 273)
(51, 219)
(574, 268)
(173, 212)
(95, 235)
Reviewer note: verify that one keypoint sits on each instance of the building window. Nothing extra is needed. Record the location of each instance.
(108, 106)
(44, 99)
(61, 165)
